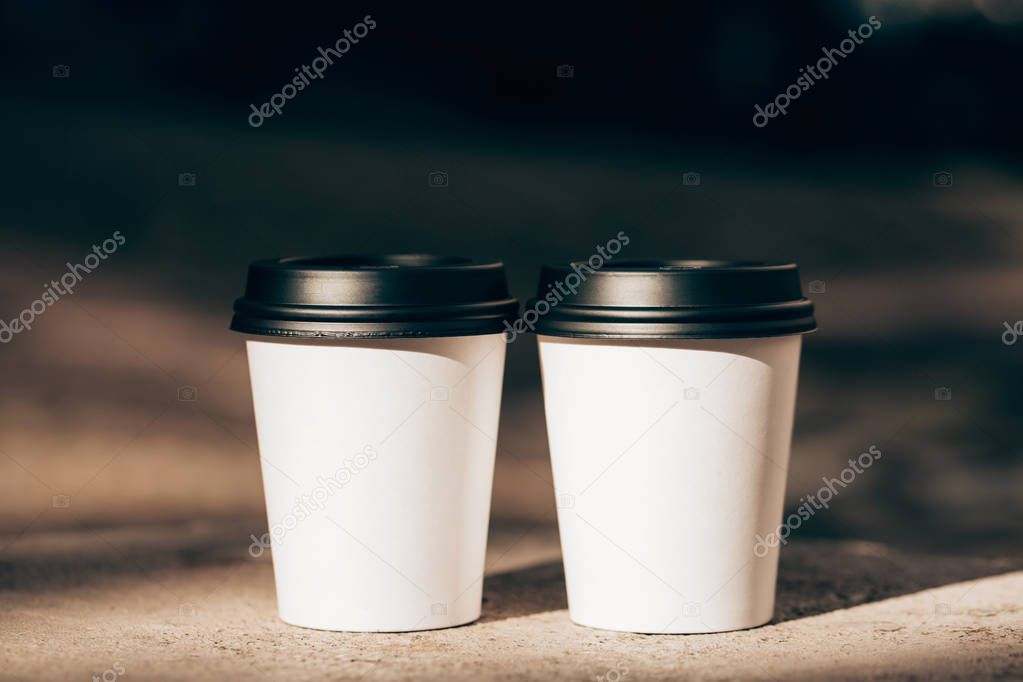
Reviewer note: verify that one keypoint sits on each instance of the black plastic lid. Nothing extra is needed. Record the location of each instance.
(671, 299)
(374, 296)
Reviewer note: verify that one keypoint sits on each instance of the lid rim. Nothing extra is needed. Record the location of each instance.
(679, 336)
(737, 332)
(363, 331)
(370, 312)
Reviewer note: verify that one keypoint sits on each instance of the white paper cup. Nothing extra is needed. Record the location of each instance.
(378, 460)
(669, 459)
(376, 382)
(669, 389)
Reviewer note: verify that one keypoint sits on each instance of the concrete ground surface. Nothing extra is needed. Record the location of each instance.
(187, 601)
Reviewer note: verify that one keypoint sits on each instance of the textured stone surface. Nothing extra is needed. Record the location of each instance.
(188, 602)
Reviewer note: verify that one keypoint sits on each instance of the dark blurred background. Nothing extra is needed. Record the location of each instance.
(895, 183)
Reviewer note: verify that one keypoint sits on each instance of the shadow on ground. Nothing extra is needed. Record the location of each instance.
(815, 577)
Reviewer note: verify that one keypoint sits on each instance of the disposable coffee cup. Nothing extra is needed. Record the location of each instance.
(669, 389)
(376, 382)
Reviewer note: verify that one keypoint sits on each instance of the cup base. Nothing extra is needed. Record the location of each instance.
(703, 630)
(381, 629)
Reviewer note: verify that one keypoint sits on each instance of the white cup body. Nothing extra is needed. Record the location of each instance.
(669, 460)
(378, 461)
